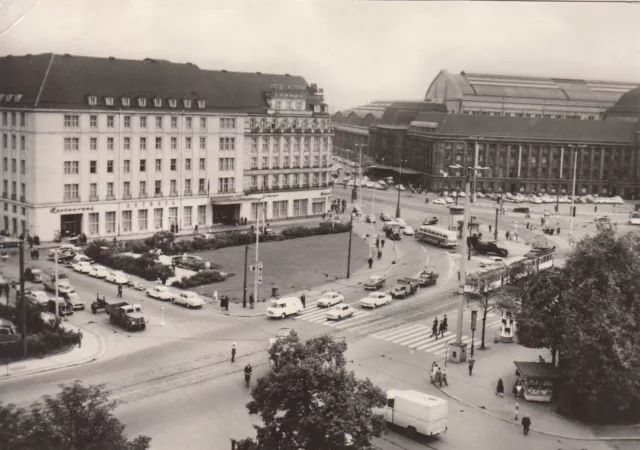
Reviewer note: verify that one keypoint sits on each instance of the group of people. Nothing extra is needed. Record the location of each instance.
(338, 206)
(35, 253)
(439, 329)
(224, 302)
(438, 375)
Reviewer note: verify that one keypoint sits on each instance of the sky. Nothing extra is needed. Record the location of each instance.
(357, 51)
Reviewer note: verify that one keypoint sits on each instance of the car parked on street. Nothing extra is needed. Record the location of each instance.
(374, 282)
(160, 293)
(117, 277)
(82, 267)
(74, 299)
(431, 221)
(32, 274)
(329, 299)
(439, 201)
(188, 299)
(408, 231)
(385, 217)
(38, 298)
(375, 299)
(98, 272)
(340, 312)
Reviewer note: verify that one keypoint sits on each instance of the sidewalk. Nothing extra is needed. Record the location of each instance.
(478, 391)
(382, 266)
(93, 348)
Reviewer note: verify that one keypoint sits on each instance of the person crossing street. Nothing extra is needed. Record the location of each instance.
(119, 291)
(233, 352)
(526, 424)
(434, 328)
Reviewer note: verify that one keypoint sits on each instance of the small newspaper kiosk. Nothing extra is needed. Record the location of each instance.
(537, 379)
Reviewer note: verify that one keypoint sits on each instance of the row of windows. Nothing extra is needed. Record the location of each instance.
(523, 114)
(14, 209)
(279, 123)
(14, 189)
(285, 143)
(275, 162)
(73, 167)
(142, 102)
(73, 143)
(14, 119)
(14, 165)
(285, 181)
(72, 190)
(143, 216)
(73, 121)
(280, 209)
(287, 104)
(14, 141)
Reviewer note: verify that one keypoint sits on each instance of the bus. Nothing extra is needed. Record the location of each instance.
(437, 236)
(634, 218)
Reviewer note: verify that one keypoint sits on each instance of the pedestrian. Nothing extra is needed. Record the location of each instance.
(195, 229)
(458, 275)
(434, 328)
(303, 299)
(441, 329)
(379, 254)
(233, 352)
(252, 301)
(438, 378)
(378, 242)
(446, 323)
(526, 424)
(506, 235)
(443, 376)
(79, 339)
(370, 261)
(489, 228)
(226, 302)
(500, 388)
(432, 374)
(119, 291)
(471, 364)
(382, 242)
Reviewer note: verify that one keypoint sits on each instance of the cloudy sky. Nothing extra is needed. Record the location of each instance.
(357, 51)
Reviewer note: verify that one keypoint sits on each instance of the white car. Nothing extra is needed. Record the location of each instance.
(449, 200)
(408, 231)
(79, 257)
(375, 299)
(74, 299)
(340, 312)
(82, 267)
(439, 201)
(329, 299)
(117, 277)
(283, 307)
(98, 272)
(400, 187)
(160, 293)
(188, 299)
(401, 222)
(38, 297)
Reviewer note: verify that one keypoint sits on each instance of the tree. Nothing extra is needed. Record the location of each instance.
(500, 301)
(78, 418)
(310, 401)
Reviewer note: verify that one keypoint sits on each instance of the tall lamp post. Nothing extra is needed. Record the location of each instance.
(559, 178)
(398, 188)
(573, 189)
(355, 197)
(257, 279)
(475, 164)
(459, 352)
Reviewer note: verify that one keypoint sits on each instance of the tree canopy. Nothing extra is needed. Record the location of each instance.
(309, 400)
(78, 418)
(590, 312)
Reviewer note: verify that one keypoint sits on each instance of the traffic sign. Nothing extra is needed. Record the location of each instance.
(252, 267)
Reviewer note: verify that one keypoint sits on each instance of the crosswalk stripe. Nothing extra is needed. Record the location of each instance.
(390, 334)
(362, 317)
(374, 325)
(336, 323)
(442, 350)
(435, 343)
(398, 337)
(421, 335)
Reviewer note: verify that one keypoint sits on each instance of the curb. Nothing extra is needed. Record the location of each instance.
(99, 354)
(546, 433)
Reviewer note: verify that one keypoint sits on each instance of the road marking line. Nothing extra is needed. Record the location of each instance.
(375, 325)
(400, 329)
(434, 343)
(438, 344)
(412, 338)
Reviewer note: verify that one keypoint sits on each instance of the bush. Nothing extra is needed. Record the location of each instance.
(298, 232)
(146, 266)
(201, 278)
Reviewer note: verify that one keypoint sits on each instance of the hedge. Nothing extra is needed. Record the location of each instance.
(201, 278)
(146, 266)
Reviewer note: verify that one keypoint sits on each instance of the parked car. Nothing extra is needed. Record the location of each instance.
(82, 267)
(385, 217)
(400, 187)
(38, 298)
(33, 275)
(98, 272)
(370, 218)
(374, 282)
(74, 299)
(81, 257)
(117, 277)
(160, 293)
(375, 299)
(8, 332)
(329, 299)
(188, 299)
(283, 307)
(439, 201)
(408, 231)
(400, 291)
(401, 222)
(340, 312)
(522, 209)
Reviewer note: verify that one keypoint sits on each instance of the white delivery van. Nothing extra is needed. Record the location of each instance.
(49, 282)
(417, 412)
(284, 307)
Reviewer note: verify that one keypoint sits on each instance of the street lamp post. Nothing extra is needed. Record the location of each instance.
(356, 192)
(573, 189)
(459, 355)
(257, 279)
(475, 164)
(560, 178)
(398, 187)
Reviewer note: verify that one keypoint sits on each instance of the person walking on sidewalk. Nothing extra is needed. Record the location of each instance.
(471, 364)
(233, 352)
(445, 323)
(500, 388)
(370, 261)
(434, 328)
(526, 424)
(379, 254)
(79, 339)
(443, 376)
(252, 300)
(119, 291)
(382, 242)
(303, 299)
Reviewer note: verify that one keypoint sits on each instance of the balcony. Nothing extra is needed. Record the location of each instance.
(173, 194)
(142, 195)
(126, 196)
(202, 192)
(13, 196)
(72, 200)
(157, 194)
(93, 198)
(110, 197)
(188, 192)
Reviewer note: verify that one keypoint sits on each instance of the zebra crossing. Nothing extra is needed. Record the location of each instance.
(419, 337)
(312, 313)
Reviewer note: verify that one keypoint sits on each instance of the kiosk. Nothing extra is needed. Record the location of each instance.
(507, 327)
(537, 379)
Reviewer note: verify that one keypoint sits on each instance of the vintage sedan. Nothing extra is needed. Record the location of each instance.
(160, 293)
(188, 299)
(98, 272)
(375, 299)
(117, 277)
(340, 312)
(329, 299)
(408, 231)
(82, 267)
(374, 282)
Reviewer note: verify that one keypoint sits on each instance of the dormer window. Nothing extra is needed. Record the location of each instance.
(173, 103)
(201, 104)
(93, 100)
(187, 103)
(108, 101)
(8, 97)
(157, 102)
(125, 101)
(17, 97)
(1, 97)
(142, 102)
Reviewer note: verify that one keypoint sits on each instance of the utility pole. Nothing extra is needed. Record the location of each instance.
(23, 301)
(244, 284)
(495, 232)
(349, 254)
(398, 187)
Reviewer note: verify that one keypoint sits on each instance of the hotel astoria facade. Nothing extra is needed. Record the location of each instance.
(111, 147)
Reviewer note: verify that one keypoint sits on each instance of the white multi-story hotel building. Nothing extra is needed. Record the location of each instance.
(112, 147)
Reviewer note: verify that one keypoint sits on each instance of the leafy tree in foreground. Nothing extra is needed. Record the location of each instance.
(78, 418)
(311, 401)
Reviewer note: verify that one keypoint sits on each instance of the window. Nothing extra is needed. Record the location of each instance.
(126, 165)
(286, 144)
(203, 143)
(23, 167)
(254, 144)
(127, 121)
(93, 191)
(201, 104)
(203, 165)
(279, 209)
(108, 101)
(188, 143)
(316, 161)
(142, 219)
(14, 167)
(70, 167)
(255, 207)
(143, 121)
(296, 180)
(226, 185)
(202, 214)
(143, 165)
(110, 143)
(228, 163)
(189, 122)
(265, 162)
(23, 143)
(110, 166)
(172, 164)
(173, 103)
(277, 104)
(126, 220)
(6, 164)
(173, 187)
(71, 143)
(5, 141)
(187, 164)
(201, 189)
(296, 161)
(254, 162)
(143, 188)
(158, 165)
(187, 186)
(318, 206)
(174, 122)
(227, 143)
(110, 190)
(300, 208)
(23, 119)
(173, 215)
(71, 191)
(276, 162)
(94, 223)
(93, 143)
(159, 122)
(174, 143)
(93, 166)
(127, 143)
(203, 123)
(285, 162)
(187, 216)
(70, 121)
(265, 145)
(227, 123)
(110, 122)
(110, 221)
(158, 187)
(254, 182)
(157, 218)
(158, 143)
(143, 143)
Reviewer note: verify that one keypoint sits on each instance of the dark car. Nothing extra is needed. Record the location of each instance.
(522, 209)
(33, 275)
(432, 221)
